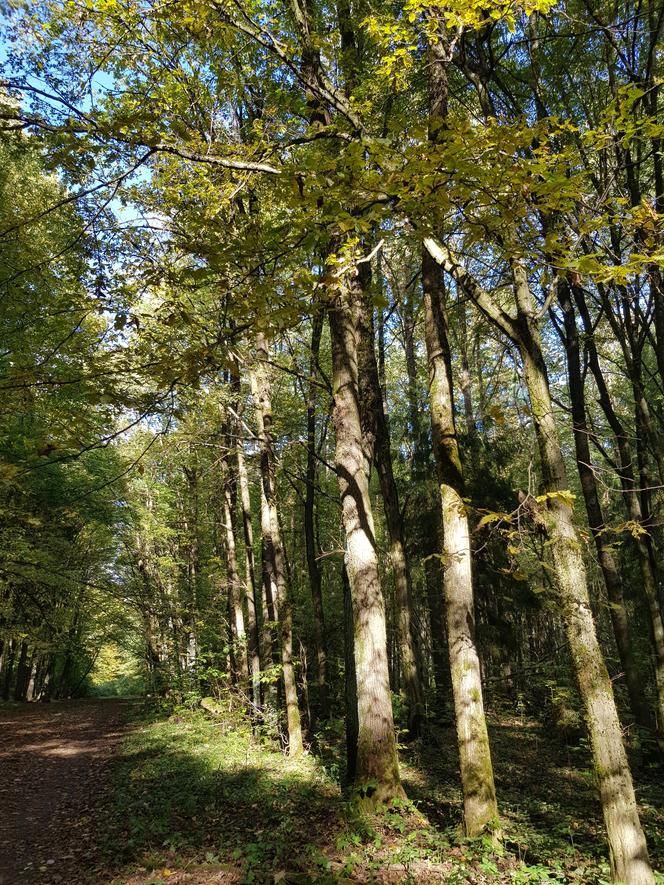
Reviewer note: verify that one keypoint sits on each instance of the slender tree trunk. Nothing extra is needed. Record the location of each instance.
(313, 568)
(22, 674)
(431, 534)
(32, 680)
(657, 290)
(619, 620)
(8, 669)
(433, 577)
(632, 503)
(350, 680)
(380, 342)
(194, 571)
(479, 793)
(252, 590)
(228, 502)
(627, 845)
(420, 454)
(274, 557)
(39, 678)
(378, 449)
(465, 377)
(269, 590)
(377, 769)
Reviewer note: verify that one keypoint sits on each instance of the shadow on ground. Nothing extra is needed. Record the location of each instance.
(185, 791)
(549, 805)
(204, 802)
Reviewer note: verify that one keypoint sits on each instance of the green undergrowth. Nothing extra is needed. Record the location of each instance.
(201, 799)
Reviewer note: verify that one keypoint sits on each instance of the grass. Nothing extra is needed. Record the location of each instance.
(198, 800)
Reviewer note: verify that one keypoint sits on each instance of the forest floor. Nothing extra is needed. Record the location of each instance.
(192, 801)
(54, 762)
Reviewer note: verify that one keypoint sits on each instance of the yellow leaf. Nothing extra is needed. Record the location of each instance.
(563, 495)
(495, 516)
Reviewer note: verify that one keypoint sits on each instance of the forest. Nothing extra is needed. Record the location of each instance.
(331, 441)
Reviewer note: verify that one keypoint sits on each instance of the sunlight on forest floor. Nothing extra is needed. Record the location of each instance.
(197, 801)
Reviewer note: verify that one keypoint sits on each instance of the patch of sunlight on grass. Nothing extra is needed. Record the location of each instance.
(200, 795)
(189, 788)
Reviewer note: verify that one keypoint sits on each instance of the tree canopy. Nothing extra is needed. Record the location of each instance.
(332, 347)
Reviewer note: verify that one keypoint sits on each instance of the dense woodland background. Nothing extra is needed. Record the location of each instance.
(332, 360)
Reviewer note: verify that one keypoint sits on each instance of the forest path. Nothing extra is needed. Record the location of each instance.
(53, 764)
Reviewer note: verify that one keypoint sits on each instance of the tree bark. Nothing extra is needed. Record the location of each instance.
(274, 558)
(430, 541)
(228, 507)
(378, 449)
(22, 674)
(313, 568)
(251, 588)
(479, 793)
(627, 845)
(252, 591)
(377, 769)
(350, 680)
(632, 504)
(8, 659)
(420, 454)
(607, 563)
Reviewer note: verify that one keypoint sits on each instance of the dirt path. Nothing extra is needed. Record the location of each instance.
(53, 764)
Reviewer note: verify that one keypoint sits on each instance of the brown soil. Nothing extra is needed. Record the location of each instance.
(53, 766)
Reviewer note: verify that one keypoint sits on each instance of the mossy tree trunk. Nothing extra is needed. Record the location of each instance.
(632, 501)
(627, 845)
(607, 563)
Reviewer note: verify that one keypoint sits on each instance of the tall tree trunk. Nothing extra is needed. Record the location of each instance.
(378, 449)
(8, 659)
(377, 768)
(269, 653)
(433, 577)
(465, 378)
(235, 594)
(420, 454)
(627, 845)
(22, 674)
(40, 675)
(618, 612)
(350, 680)
(479, 793)
(632, 504)
(190, 615)
(313, 568)
(252, 590)
(274, 557)
(430, 542)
